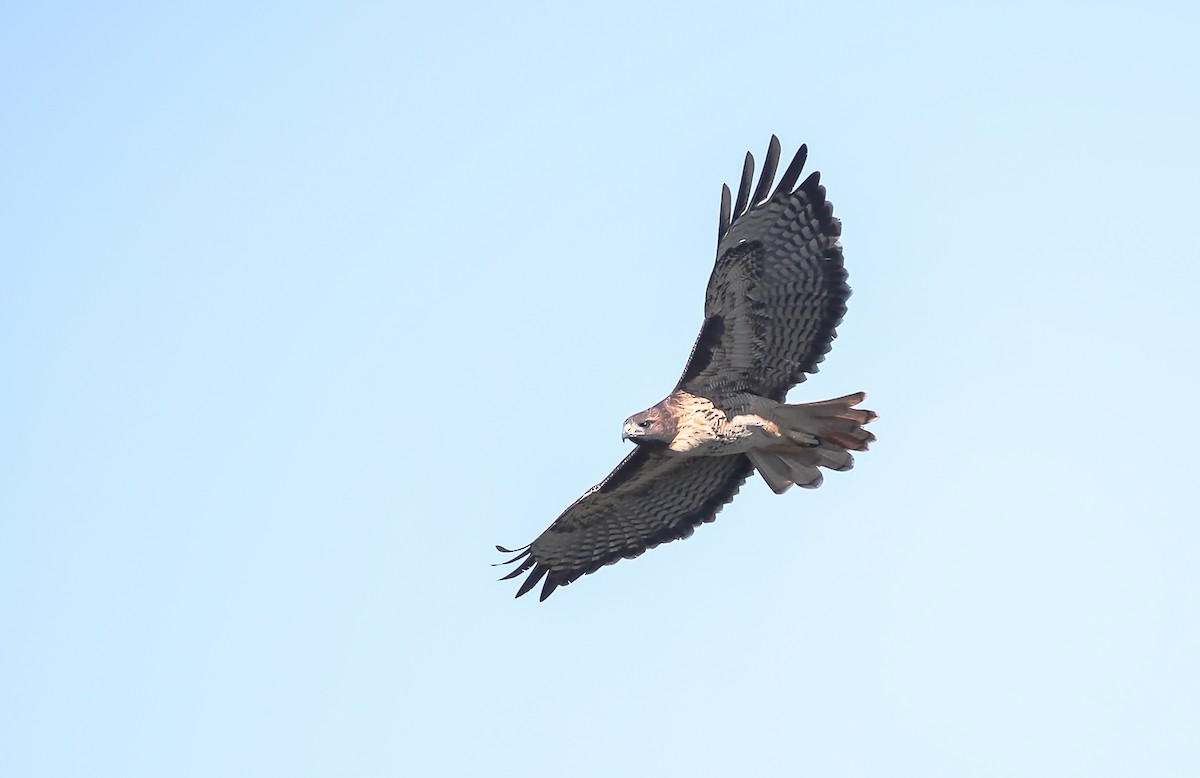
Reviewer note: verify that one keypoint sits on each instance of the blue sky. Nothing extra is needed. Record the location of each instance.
(303, 307)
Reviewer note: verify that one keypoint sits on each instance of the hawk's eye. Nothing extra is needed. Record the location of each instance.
(645, 423)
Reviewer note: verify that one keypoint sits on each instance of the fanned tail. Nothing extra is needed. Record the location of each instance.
(820, 434)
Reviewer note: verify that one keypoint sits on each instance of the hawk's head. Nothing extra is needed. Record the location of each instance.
(651, 427)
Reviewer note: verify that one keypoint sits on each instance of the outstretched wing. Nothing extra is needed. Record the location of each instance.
(647, 500)
(777, 292)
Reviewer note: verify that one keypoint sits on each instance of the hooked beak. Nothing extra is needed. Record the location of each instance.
(632, 431)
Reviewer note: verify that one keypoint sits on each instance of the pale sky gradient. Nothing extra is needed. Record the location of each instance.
(304, 306)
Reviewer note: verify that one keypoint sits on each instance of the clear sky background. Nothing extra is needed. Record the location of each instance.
(303, 307)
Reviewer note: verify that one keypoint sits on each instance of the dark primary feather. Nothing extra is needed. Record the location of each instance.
(645, 501)
(770, 164)
(743, 197)
(778, 288)
(791, 175)
(726, 212)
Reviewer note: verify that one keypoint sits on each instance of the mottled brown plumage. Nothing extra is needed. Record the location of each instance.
(776, 295)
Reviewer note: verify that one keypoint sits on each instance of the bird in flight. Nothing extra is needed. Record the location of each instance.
(774, 300)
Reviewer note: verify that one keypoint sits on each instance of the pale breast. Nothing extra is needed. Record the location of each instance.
(702, 429)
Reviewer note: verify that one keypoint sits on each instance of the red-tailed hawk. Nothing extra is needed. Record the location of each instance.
(775, 297)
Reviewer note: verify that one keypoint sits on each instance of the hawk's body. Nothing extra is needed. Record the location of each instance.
(776, 295)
